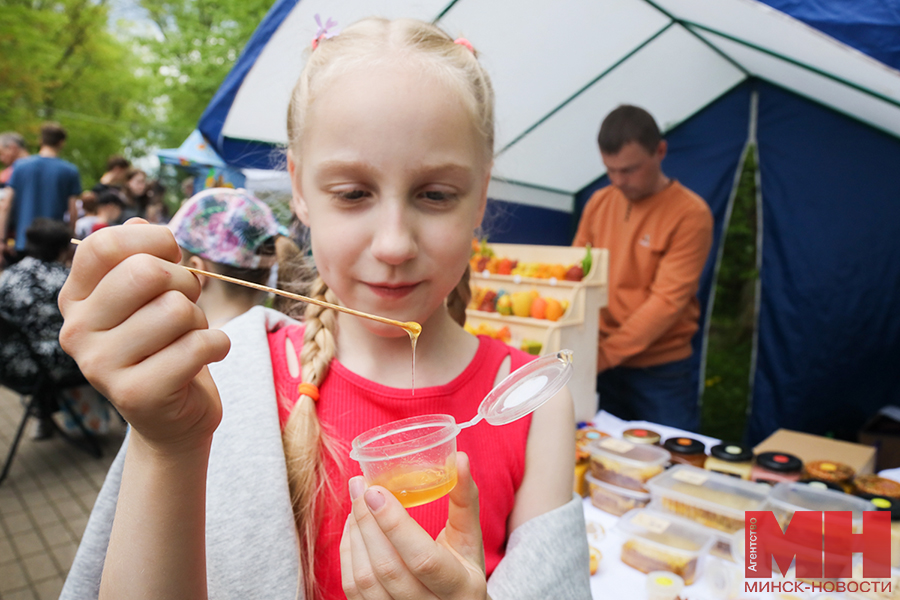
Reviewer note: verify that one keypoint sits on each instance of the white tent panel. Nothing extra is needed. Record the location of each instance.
(878, 113)
(272, 77)
(539, 53)
(759, 25)
(529, 196)
(672, 77)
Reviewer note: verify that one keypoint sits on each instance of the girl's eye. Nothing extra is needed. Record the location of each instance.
(436, 196)
(352, 195)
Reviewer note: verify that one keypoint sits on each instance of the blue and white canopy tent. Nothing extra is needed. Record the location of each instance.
(197, 156)
(816, 94)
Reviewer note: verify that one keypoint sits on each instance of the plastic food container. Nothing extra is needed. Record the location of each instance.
(730, 459)
(787, 498)
(686, 451)
(625, 464)
(775, 467)
(659, 542)
(614, 499)
(710, 499)
(583, 438)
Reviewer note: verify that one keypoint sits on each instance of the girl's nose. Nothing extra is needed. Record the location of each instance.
(394, 239)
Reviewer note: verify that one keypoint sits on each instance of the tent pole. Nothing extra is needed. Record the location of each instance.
(726, 220)
(754, 119)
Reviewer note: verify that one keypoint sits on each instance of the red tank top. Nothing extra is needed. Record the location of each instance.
(350, 405)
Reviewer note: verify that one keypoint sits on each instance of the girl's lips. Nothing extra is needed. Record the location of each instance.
(390, 290)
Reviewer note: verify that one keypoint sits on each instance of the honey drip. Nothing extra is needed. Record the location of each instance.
(413, 329)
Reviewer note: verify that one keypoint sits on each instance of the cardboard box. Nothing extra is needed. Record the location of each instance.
(883, 432)
(808, 447)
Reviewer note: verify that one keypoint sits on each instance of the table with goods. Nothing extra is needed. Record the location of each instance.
(665, 510)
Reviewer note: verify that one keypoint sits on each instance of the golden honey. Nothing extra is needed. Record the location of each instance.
(413, 488)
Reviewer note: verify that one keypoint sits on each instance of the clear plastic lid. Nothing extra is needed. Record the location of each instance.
(718, 493)
(618, 490)
(791, 497)
(525, 389)
(666, 531)
(628, 453)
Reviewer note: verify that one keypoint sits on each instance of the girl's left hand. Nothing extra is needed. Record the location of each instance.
(386, 555)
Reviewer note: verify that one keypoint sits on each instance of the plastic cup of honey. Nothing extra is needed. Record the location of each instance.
(415, 458)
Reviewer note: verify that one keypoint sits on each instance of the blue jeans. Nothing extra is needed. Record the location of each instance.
(663, 394)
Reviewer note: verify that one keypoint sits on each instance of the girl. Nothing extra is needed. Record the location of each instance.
(390, 153)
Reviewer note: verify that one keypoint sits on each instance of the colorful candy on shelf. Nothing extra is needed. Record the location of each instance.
(484, 259)
(532, 347)
(519, 304)
(503, 334)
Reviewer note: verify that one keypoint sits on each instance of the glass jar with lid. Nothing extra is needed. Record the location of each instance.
(641, 436)
(731, 459)
(686, 451)
(775, 467)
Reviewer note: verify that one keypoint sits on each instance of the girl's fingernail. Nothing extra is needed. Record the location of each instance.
(374, 499)
(357, 487)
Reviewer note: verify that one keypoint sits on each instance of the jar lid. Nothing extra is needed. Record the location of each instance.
(732, 453)
(875, 485)
(887, 504)
(684, 445)
(820, 484)
(781, 462)
(641, 436)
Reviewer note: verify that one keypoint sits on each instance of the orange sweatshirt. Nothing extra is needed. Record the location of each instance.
(657, 249)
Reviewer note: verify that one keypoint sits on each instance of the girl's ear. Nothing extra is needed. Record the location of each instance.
(195, 262)
(298, 204)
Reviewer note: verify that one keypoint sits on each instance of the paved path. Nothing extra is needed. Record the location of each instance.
(44, 505)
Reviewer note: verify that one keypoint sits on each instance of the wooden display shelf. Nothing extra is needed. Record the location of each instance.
(576, 330)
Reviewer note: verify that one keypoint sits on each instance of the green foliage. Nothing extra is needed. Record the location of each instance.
(59, 61)
(730, 343)
(201, 40)
(117, 90)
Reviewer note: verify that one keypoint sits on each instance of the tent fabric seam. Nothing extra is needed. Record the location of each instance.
(795, 62)
(533, 186)
(705, 42)
(444, 12)
(583, 89)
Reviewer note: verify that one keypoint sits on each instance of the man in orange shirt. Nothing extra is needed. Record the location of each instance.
(658, 234)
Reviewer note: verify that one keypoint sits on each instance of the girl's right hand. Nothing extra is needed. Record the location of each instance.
(133, 327)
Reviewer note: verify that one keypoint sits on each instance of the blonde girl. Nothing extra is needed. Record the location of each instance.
(231, 485)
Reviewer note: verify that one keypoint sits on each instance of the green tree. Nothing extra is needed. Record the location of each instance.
(199, 43)
(59, 61)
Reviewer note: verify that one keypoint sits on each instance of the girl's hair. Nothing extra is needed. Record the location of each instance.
(366, 43)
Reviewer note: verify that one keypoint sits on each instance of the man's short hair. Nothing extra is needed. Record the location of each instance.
(628, 124)
(117, 161)
(52, 134)
(45, 239)
(11, 138)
